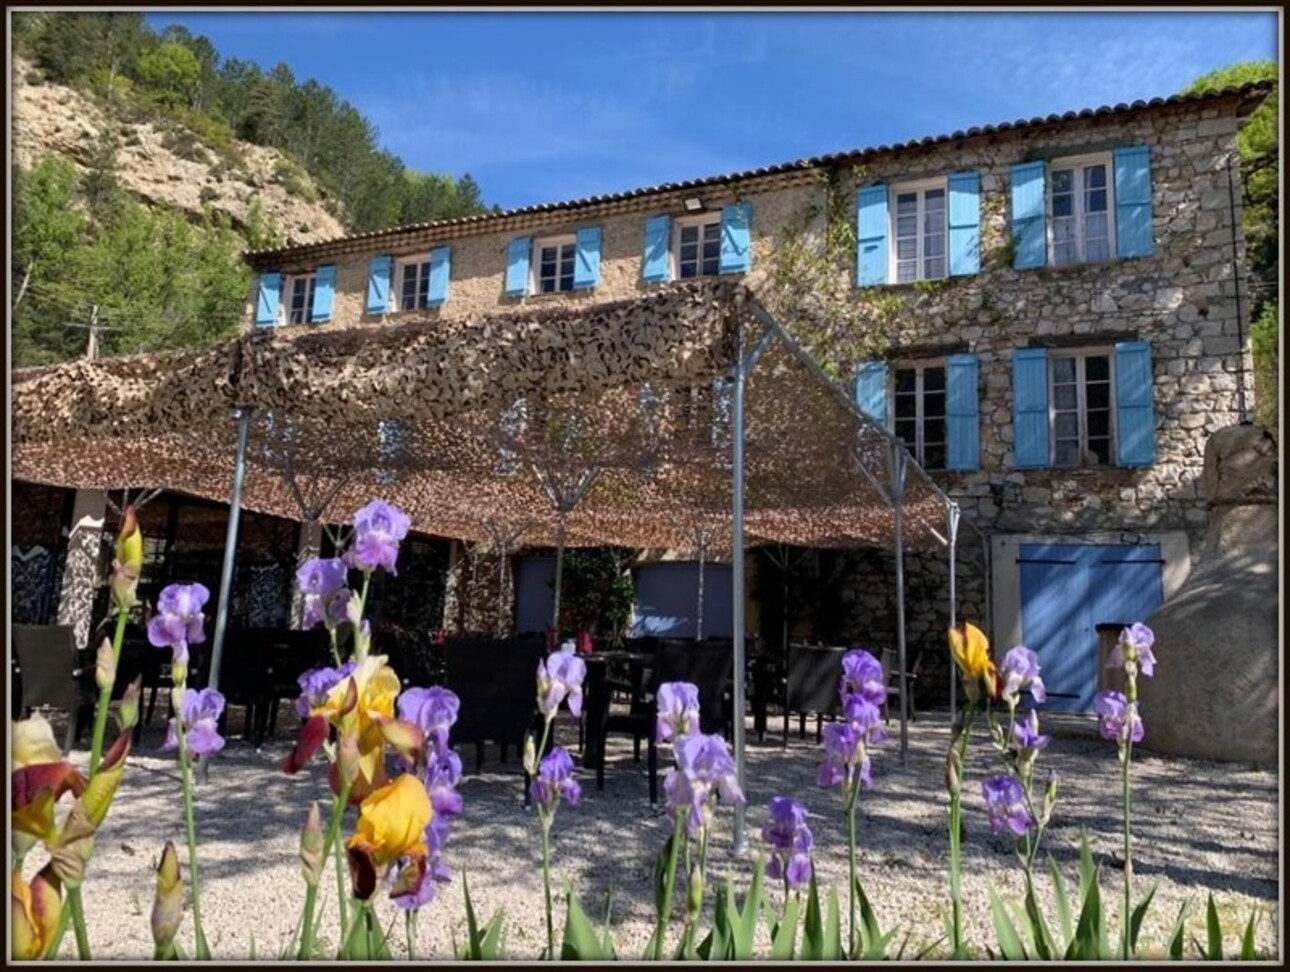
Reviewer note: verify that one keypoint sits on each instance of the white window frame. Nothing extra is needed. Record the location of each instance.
(709, 218)
(918, 366)
(1081, 356)
(288, 293)
(535, 263)
(1081, 162)
(919, 186)
(401, 266)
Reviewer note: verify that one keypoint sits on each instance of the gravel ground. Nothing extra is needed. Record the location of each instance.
(1198, 827)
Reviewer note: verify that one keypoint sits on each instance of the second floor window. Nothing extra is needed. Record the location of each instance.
(414, 285)
(553, 264)
(698, 246)
(918, 232)
(300, 298)
(918, 412)
(1080, 409)
(1081, 206)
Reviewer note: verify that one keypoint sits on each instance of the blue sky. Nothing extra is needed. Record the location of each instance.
(541, 107)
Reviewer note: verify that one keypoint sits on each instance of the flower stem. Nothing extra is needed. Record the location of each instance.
(669, 879)
(546, 884)
(335, 647)
(851, 861)
(956, 848)
(105, 696)
(77, 907)
(333, 832)
(56, 942)
(1128, 853)
(410, 918)
(190, 820)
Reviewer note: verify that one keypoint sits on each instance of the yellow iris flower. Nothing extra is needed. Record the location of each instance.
(33, 913)
(970, 649)
(392, 822)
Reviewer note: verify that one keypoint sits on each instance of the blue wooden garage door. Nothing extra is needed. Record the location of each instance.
(667, 600)
(534, 593)
(1069, 589)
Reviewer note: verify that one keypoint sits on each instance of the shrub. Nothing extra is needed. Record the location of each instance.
(184, 144)
(1263, 344)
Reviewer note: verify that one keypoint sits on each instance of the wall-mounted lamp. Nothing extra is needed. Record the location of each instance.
(694, 205)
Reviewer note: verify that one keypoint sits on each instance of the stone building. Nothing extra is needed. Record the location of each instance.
(1048, 312)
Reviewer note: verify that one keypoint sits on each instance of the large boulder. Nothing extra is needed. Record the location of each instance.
(1214, 694)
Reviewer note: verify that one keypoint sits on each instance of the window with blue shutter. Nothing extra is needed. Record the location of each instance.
(1029, 231)
(1133, 237)
(1030, 407)
(517, 266)
(655, 264)
(586, 266)
(963, 412)
(324, 288)
(1134, 404)
(440, 272)
(871, 236)
(378, 284)
(871, 390)
(736, 237)
(965, 223)
(269, 293)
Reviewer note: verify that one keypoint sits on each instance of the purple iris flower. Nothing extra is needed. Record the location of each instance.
(846, 752)
(316, 684)
(1026, 735)
(1005, 799)
(559, 677)
(1020, 671)
(1138, 639)
(179, 619)
(555, 780)
(705, 771)
(322, 582)
(790, 840)
(862, 676)
(200, 711)
(678, 710)
(441, 777)
(433, 710)
(378, 528)
(1117, 717)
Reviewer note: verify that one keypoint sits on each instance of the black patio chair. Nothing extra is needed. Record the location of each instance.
(811, 686)
(495, 679)
(246, 678)
(891, 667)
(54, 674)
(288, 654)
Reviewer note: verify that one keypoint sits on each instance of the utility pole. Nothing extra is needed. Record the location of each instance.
(95, 328)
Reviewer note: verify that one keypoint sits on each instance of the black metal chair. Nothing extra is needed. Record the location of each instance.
(811, 685)
(53, 673)
(288, 654)
(891, 667)
(495, 680)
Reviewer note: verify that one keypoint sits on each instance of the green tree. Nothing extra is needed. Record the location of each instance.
(172, 71)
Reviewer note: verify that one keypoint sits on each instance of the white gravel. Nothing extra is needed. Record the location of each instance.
(1198, 827)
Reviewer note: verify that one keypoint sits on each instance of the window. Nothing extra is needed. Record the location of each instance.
(1079, 199)
(697, 246)
(300, 298)
(1080, 411)
(919, 230)
(553, 264)
(414, 284)
(918, 407)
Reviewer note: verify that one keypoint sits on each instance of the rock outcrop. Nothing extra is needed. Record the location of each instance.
(173, 168)
(1214, 694)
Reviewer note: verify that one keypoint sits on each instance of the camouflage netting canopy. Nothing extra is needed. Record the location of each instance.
(615, 418)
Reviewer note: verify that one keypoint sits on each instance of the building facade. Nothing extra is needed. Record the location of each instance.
(1048, 313)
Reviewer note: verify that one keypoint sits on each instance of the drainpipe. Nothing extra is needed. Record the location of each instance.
(1236, 281)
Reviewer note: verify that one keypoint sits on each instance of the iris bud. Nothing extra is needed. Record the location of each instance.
(105, 667)
(530, 756)
(311, 847)
(168, 905)
(128, 713)
(128, 564)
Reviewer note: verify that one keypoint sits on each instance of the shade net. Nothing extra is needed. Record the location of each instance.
(611, 423)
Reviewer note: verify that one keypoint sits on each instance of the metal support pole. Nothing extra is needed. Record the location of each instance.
(243, 415)
(737, 584)
(561, 517)
(698, 623)
(897, 458)
(952, 531)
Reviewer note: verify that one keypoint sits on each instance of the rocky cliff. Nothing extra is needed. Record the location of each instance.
(165, 163)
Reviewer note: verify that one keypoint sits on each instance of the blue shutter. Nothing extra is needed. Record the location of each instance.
(963, 412)
(266, 303)
(324, 288)
(1133, 202)
(871, 390)
(965, 223)
(871, 236)
(1134, 412)
(736, 243)
(440, 272)
(517, 266)
(1029, 230)
(586, 262)
(1030, 407)
(378, 284)
(656, 267)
